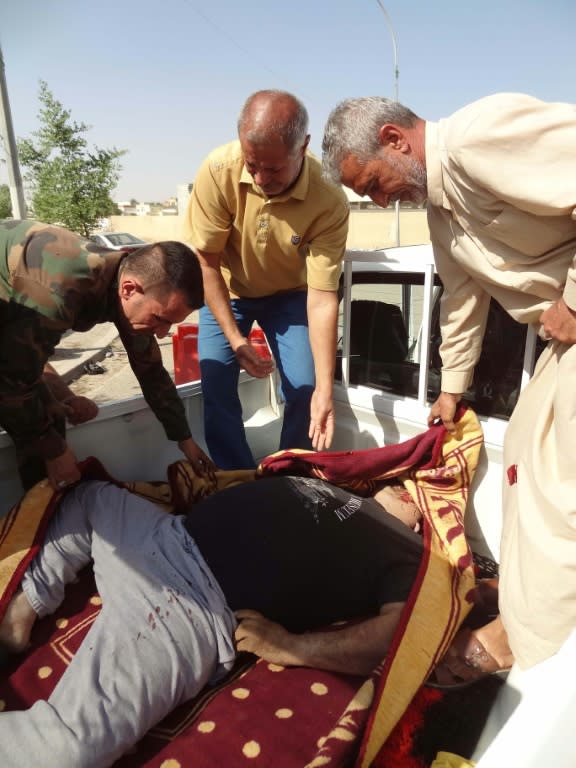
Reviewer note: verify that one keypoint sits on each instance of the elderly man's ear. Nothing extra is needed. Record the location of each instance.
(393, 137)
(304, 145)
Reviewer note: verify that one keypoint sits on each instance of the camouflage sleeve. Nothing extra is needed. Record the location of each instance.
(56, 273)
(26, 405)
(49, 277)
(157, 387)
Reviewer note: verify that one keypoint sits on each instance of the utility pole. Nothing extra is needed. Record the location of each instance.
(396, 89)
(7, 135)
(394, 48)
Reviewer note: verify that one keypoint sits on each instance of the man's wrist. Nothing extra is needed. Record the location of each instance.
(324, 389)
(49, 446)
(239, 341)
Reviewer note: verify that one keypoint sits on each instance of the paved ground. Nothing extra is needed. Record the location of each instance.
(116, 381)
(77, 349)
(102, 346)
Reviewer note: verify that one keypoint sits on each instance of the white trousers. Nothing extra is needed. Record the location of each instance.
(163, 633)
(538, 550)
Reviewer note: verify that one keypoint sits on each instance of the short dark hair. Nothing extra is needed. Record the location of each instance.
(168, 266)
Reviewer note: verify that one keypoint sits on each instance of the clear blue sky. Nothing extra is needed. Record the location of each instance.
(165, 81)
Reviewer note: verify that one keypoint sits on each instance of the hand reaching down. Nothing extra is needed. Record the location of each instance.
(268, 640)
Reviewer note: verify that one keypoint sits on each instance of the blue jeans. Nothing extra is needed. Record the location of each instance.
(284, 320)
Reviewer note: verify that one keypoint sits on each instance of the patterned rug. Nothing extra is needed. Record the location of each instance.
(261, 715)
(270, 716)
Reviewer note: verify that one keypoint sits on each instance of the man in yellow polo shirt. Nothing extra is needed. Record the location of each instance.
(270, 234)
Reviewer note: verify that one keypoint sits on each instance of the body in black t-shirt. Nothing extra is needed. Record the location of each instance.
(304, 552)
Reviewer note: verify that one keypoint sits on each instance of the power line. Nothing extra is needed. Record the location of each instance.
(224, 33)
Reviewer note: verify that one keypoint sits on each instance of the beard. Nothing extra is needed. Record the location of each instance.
(416, 182)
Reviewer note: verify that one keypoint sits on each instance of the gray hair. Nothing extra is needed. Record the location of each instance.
(272, 114)
(352, 129)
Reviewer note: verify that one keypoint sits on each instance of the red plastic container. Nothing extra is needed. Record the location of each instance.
(185, 353)
(257, 339)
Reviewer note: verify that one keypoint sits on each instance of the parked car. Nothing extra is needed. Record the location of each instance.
(119, 241)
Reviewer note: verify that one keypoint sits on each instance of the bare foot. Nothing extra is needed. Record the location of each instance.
(16, 626)
(495, 640)
(472, 655)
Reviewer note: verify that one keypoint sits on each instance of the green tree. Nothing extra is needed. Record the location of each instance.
(71, 184)
(5, 202)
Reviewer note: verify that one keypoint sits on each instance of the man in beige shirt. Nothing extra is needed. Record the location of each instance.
(270, 234)
(498, 176)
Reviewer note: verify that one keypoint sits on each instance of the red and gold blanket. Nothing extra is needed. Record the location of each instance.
(264, 715)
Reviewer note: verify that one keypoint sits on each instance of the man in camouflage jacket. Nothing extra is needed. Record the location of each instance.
(52, 281)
